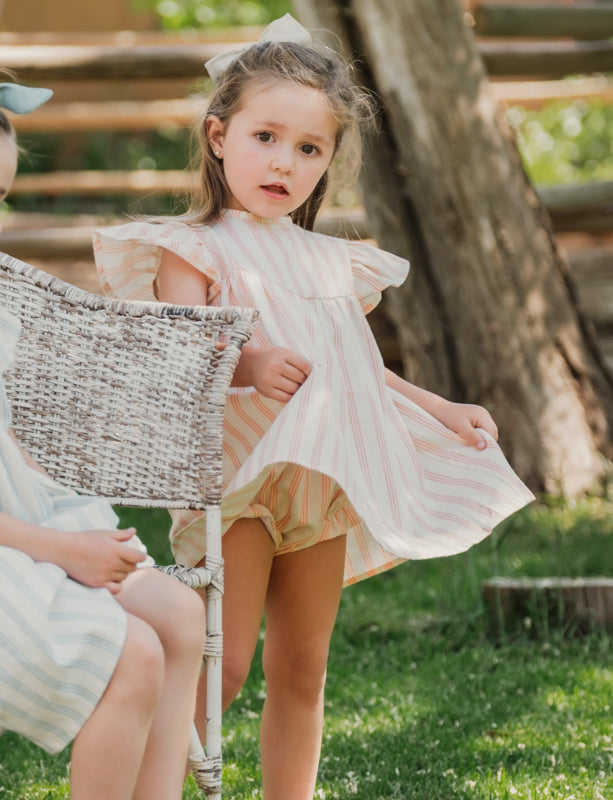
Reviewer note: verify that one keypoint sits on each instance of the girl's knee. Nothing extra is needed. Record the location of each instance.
(179, 618)
(301, 673)
(235, 673)
(189, 628)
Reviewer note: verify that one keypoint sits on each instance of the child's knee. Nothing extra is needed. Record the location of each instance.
(301, 671)
(182, 623)
(236, 669)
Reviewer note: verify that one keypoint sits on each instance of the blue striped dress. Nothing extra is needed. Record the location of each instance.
(59, 640)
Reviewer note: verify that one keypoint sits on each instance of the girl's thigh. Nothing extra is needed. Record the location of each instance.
(248, 556)
(303, 598)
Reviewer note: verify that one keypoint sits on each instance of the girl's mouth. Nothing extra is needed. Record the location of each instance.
(276, 190)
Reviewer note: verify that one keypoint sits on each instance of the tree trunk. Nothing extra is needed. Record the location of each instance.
(489, 314)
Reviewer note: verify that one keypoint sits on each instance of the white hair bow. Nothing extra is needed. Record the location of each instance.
(284, 29)
(22, 99)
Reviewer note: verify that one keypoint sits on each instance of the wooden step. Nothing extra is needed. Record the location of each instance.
(583, 20)
(97, 182)
(123, 115)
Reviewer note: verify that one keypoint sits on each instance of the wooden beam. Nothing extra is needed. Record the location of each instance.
(48, 243)
(535, 94)
(584, 207)
(546, 59)
(545, 20)
(47, 63)
(229, 36)
(95, 182)
(125, 115)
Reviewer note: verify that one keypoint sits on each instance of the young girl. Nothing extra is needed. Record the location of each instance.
(90, 648)
(335, 469)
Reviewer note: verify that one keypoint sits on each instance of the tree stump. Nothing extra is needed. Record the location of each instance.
(573, 605)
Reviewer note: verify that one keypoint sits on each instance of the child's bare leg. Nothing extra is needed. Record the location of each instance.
(248, 553)
(176, 614)
(107, 753)
(301, 609)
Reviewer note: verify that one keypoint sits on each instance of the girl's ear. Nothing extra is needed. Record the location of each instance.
(215, 135)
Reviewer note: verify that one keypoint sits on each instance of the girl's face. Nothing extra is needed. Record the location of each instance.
(275, 148)
(8, 163)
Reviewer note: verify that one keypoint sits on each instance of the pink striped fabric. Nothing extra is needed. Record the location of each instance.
(346, 454)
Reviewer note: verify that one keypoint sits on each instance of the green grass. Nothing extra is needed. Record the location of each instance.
(422, 702)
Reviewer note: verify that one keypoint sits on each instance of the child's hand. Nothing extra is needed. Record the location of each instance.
(275, 372)
(463, 419)
(100, 558)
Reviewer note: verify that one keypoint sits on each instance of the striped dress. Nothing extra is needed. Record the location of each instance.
(59, 641)
(346, 454)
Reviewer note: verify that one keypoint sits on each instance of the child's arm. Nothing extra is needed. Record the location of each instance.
(97, 558)
(275, 372)
(462, 418)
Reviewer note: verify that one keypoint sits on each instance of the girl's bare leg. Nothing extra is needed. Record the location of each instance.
(107, 753)
(301, 608)
(176, 614)
(248, 555)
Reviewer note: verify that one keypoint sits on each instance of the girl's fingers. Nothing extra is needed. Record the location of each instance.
(298, 366)
(132, 556)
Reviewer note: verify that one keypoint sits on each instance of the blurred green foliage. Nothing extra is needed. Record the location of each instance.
(186, 14)
(566, 142)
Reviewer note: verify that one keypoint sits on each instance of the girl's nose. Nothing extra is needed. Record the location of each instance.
(283, 162)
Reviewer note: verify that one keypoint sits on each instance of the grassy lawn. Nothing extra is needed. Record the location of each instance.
(424, 702)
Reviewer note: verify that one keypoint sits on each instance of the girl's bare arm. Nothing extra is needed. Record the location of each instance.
(275, 372)
(97, 558)
(462, 418)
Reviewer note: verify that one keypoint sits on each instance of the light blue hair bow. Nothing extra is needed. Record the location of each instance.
(22, 99)
(284, 29)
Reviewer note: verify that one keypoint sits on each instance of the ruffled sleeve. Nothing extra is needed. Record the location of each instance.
(128, 257)
(374, 270)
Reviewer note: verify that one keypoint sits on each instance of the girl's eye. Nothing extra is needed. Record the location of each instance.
(309, 149)
(264, 137)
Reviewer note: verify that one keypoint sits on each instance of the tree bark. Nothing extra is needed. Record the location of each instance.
(489, 314)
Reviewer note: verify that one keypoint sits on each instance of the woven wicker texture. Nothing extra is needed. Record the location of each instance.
(125, 400)
(121, 399)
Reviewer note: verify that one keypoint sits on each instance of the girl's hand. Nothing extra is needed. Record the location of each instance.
(275, 372)
(463, 419)
(100, 559)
